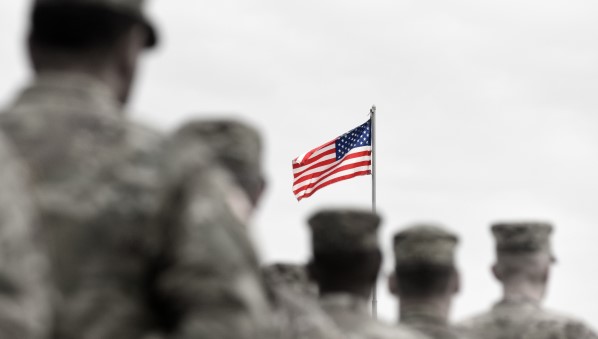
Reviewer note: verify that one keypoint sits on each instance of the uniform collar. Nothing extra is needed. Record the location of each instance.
(344, 301)
(71, 88)
(415, 315)
(522, 302)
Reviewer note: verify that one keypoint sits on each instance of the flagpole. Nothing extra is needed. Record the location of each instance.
(373, 129)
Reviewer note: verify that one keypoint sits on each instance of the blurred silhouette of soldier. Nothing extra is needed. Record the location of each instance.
(95, 175)
(122, 240)
(426, 279)
(524, 256)
(237, 147)
(294, 300)
(345, 264)
(227, 264)
(24, 294)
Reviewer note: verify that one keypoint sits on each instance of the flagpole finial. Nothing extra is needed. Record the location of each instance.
(373, 110)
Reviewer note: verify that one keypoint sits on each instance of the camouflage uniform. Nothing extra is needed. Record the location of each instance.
(294, 299)
(293, 277)
(237, 148)
(342, 231)
(425, 244)
(524, 318)
(133, 223)
(352, 315)
(229, 284)
(24, 283)
(132, 241)
(98, 188)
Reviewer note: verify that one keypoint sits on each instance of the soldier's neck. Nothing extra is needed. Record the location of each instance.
(104, 75)
(523, 291)
(437, 308)
(359, 291)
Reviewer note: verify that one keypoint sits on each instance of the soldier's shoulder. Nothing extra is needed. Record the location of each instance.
(384, 330)
(299, 316)
(559, 325)
(476, 320)
(142, 135)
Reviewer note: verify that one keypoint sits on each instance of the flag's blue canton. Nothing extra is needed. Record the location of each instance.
(357, 137)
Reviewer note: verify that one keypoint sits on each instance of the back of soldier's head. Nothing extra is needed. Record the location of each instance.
(85, 25)
(236, 146)
(425, 261)
(345, 247)
(523, 249)
(98, 39)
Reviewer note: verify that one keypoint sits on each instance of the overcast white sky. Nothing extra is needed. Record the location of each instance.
(486, 111)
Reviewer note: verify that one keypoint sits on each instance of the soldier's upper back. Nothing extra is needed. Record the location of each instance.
(526, 320)
(96, 180)
(351, 315)
(24, 307)
(432, 327)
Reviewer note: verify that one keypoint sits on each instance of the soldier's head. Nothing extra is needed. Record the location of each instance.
(289, 276)
(346, 256)
(237, 147)
(100, 38)
(523, 253)
(424, 263)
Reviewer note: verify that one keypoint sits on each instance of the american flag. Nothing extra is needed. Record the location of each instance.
(345, 157)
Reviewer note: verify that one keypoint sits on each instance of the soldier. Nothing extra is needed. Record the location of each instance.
(524, 257)
(237, 148)
(24, 290)
(345, 264)
(124, 222)
(294, 299)
(426, 279)
(95, 176)
(235, 277)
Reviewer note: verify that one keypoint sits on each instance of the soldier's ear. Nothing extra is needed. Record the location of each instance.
(457, 282)
(392, 284)
(33, 54)
(496, 272)
(312, 273)
(262, 188)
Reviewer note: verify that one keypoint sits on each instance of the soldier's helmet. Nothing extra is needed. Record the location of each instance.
(133, 8)
(236, 144)
(425, 244)
(523, 237)
(344, 230)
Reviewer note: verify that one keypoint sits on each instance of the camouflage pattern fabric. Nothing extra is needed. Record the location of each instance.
(432, 327)
(97, 185)
(25, 286)
(425, 244)
(292, 277)
(134, 249)
(341, 230)
(351, 314)
(522, 237)
(525, 320)
(298, 316)
(223, 294)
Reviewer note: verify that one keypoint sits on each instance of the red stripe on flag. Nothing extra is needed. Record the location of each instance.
(335, 180)
(324, 177)
(332, 162)
(328, 172)
(315, 159)
(306, 157)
